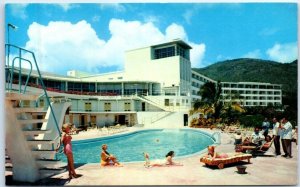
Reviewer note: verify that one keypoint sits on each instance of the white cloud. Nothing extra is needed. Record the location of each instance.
(197, 54)
(187, 15)
(175, 31)
(253, 54)
(151, 18)
(67, 6)
(283, 52)
(19, 10)
(116, 6)
(65, 46)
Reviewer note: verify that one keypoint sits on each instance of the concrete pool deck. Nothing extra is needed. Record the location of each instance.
(263, 170)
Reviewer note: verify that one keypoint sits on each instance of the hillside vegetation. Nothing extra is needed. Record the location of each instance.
(254, 70)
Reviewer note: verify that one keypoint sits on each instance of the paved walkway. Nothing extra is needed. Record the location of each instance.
(263, 170)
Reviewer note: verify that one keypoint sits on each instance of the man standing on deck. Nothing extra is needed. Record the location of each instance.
(286, 137)
(265, 126)
(276, 136)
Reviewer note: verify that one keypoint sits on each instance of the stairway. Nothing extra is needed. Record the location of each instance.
(31, 151)
(154, 103)
(160, 117)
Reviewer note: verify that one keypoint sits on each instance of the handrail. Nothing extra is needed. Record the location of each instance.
(218, 138)
(20, 75)
(39, 76)
(154, 101)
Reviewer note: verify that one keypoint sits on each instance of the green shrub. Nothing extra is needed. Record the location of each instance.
(251, 120)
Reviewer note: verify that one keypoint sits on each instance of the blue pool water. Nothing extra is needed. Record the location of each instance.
(129, 147)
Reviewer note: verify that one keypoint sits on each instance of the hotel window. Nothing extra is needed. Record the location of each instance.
(164, 52)
(93, 120)
(107, 107)
(42, 103)
(167, 102)
(127, 106)
(26, 103)
(88, 106)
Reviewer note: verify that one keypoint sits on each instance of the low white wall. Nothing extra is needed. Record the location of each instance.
(145, 117)
(174, 120)
(161, 119)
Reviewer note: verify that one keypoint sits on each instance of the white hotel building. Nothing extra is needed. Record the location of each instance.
(156, 89)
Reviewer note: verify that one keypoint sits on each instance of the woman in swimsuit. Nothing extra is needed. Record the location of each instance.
(106, 157)
(168, 162)
(66, 140)
(213, 154)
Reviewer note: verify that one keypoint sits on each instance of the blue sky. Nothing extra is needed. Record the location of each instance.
(93, 37)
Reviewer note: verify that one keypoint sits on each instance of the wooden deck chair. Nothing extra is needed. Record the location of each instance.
(221, 162)
(255, 149)
(264, 148)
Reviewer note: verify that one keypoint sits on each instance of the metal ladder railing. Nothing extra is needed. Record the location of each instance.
(10, 69)
(217, 137)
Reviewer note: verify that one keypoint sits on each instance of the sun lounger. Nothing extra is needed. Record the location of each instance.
(255, 150)
(220, 162)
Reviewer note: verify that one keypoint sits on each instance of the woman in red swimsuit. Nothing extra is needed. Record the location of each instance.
(213, 154)
(66, 140)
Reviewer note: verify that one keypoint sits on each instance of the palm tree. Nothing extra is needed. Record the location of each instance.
(210, 99)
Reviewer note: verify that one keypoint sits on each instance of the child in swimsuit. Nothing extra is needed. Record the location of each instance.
(66, 140)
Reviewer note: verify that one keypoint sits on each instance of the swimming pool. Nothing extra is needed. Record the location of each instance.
(129, 147)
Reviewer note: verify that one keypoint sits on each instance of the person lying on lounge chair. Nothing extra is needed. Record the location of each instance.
(168, 162)
(256, 148)
(213, 154)
(255, 139)
(267, 144)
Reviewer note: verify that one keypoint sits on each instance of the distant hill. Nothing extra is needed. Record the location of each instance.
(254, 70)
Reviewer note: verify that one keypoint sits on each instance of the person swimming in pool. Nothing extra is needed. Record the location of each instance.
(168, 162)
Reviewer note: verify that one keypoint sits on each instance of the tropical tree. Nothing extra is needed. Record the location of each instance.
(210, 99)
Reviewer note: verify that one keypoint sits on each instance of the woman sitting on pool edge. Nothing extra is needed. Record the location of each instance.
(168, 162)
(107, 158)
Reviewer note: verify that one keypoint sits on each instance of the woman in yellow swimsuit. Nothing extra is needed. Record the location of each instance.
(107, 158)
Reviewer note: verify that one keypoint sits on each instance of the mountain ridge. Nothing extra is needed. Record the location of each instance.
(254, 70)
